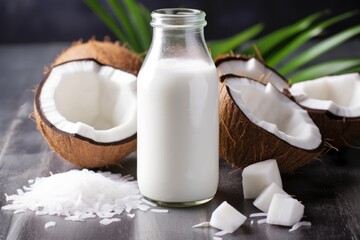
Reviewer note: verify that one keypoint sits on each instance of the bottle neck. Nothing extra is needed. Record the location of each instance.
(179, 43)
(178, 33)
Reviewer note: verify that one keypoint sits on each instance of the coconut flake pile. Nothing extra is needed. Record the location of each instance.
(79, 195)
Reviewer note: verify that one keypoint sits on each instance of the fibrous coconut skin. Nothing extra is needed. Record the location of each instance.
(105, 52)
(242, 142)
(79, 150)
(337, 131)
(339, 123)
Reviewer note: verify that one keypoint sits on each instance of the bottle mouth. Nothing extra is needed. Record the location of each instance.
(178, 18)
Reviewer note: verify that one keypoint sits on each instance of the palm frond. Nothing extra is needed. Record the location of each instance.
(225, 45)
(319, 49)
(337, 66)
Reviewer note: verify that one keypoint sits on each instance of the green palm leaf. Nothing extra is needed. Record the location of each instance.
(337, 66)
(125, 24)
(270, 41)
(319, 49)
(110, 22)
(139, 24)
(225, 45)
(304, 37)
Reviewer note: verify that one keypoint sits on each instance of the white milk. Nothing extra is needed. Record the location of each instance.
(178, 130)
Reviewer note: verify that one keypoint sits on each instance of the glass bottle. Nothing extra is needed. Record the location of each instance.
(178, 125)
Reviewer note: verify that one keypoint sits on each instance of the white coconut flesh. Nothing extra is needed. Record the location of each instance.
(339, 95)
(90, 100)
(251, 68)
(269, 109)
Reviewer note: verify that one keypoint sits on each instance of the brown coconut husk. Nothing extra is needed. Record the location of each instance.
(104, 52)
(74, 148)
(81, 152)
(337, 131)
(243, 143)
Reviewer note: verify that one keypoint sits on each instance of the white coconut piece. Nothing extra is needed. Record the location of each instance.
(90, 100)
(148, 202)
(108, 221)
(221, 233)
(258, 215)
(49, 224)
(156, 210)
(263, 201)
(203, 224)
(256, 177)
(300, 224)
(227, 218)
(284, 210)
(339, 94)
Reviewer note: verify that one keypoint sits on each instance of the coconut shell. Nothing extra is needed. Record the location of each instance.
(73, 148)
(243, 143)
(81, 152)
(104, 52)
(337, 131)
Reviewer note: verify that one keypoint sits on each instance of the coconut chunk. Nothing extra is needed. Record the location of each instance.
(49, 224)
(227, 218)
(263, 201)
(284, 210)
(256, 177)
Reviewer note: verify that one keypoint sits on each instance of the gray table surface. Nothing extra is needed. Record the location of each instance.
(329, 189)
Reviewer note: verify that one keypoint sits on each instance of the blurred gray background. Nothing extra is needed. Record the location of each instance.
(67, 20)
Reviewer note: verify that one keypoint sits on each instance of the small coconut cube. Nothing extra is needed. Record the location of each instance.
(284, 210)
(256, 177)
(263, 201)
(227, 218)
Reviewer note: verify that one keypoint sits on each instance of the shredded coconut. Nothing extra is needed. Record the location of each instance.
(155, 210)
(107, 221)
(299, 224)
(261, 221)
(258, 215)
(148, 202)
(79, 195)
(49, 224)
(203, 224)
(221, 233)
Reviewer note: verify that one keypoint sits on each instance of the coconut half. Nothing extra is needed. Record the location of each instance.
(87, 112)
(258, 122)
(334, 104)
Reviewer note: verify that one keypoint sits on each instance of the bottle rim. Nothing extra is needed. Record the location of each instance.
(178, 18)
